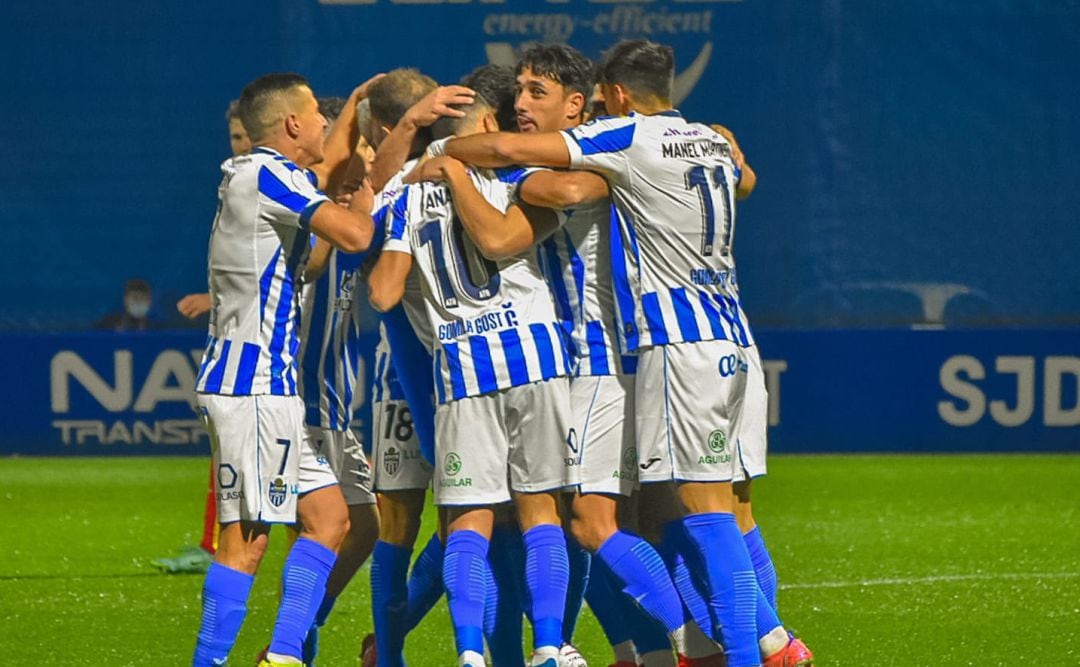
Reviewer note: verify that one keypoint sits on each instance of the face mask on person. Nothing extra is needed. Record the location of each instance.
(137, 308)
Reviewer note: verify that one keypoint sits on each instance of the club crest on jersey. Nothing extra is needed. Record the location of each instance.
(392, 461)
(277, 492)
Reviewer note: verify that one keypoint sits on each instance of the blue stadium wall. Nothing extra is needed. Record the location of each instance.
(917, 165)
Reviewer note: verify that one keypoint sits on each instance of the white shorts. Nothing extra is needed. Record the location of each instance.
(399, 466)
(262, 456)
(602, 434)
(511, 439)
(753, 442)
(689, 408)
(346, 457)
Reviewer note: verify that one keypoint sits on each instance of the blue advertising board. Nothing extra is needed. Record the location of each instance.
(829, 391)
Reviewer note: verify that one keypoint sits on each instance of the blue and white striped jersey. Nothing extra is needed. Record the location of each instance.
(495, 325)
(258, 247)
(413, 299)
(385, 384)
(673, 184)
(330, 339)
(576, 260)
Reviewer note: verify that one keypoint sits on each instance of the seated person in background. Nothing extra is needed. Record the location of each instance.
(136, 313)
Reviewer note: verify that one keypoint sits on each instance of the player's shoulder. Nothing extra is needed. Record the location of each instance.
(602, 124)
(274, 172)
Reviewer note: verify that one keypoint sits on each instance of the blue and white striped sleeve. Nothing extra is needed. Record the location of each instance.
(397, 232)
(600, 145)
(286, 195)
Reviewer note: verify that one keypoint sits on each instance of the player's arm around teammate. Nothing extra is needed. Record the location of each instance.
(498, 235)
(397, 140)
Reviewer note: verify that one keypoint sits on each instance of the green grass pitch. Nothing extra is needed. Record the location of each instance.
(883, 560)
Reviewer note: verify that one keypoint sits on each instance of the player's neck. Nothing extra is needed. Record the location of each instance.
(650, 107)
(290, 150)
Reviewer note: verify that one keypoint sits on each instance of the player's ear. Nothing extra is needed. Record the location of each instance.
(575, 105)
(622, 98)
(491, 124)
(292, 125)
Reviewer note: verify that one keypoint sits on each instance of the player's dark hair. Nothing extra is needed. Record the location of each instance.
(255, 108)
(232, 111)
(495, 83)
(447, 126)
(562, 64)
(392, 95)
(642, 67)
(330, 107)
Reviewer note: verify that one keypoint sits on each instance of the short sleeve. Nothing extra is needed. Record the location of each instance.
(287, 195)
(600, 145)
(396, 217)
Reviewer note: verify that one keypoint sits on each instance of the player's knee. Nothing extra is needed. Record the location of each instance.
(589, 533)
(399, 518)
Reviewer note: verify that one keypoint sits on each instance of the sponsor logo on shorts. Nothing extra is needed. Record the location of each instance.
(230, 495)
(717, 441)
(391, 461)
(226, 476)
(648, 464)
(718, 444)
(277, 492)
(730, 364)
(452, 464)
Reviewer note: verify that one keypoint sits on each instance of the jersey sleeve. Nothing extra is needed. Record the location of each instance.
(396, 217)
(287, 195)
(601, 145)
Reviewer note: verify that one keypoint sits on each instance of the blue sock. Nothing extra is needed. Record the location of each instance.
(303, 585)
(763, 565)
(767, 619)
(502, 609)
(425, 582)
(311, 641)
(580, 564)
(224, 600)
(644, 577)
(389, 601)
(547, 574)
(465, 576)
(672, 548)
(718, 556)
(619, 616)
(646, 632)
(604, 598)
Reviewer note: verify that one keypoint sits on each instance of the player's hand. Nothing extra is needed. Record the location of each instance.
(433, 169)
(437, 104)
(361, 91)
(362, 199)
(194, 305)
(736, 152)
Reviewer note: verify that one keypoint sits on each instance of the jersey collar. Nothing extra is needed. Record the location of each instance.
(671, 113)
(265, 151)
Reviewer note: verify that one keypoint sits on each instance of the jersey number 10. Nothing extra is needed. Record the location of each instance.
(697, 178)
(467, 261)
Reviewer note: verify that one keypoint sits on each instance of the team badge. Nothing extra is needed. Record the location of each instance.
(277, 492)
(717, 441)
(391, 461)
(452, 464)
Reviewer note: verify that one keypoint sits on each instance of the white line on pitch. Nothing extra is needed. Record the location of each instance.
(906, 581)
